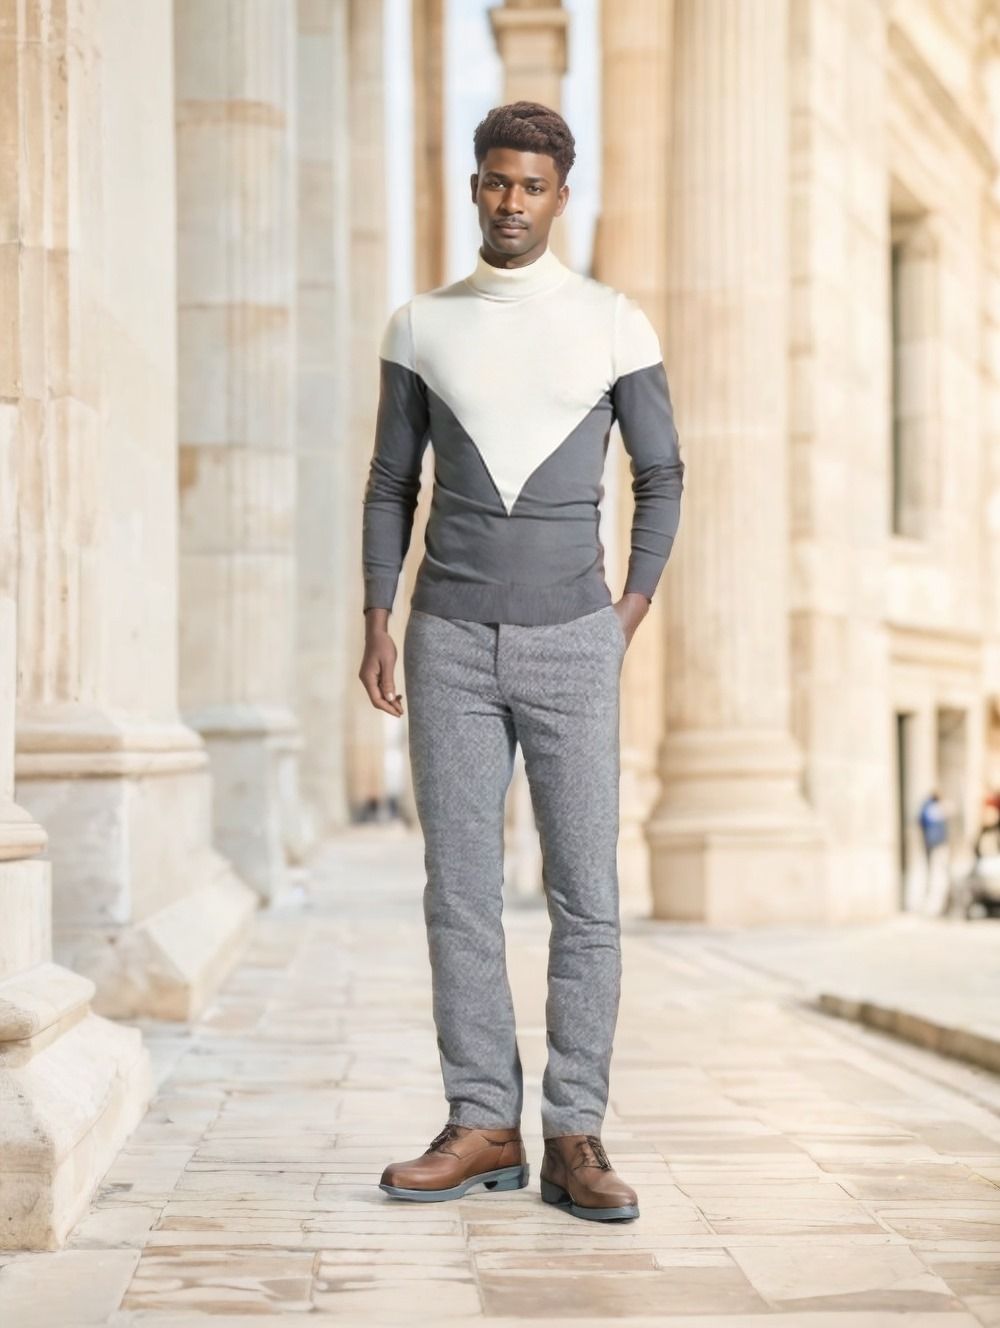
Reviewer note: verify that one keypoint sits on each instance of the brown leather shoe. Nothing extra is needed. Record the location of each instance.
(577, 1175)
(458, 1158)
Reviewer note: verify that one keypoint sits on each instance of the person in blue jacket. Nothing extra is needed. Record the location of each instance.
(933, 821)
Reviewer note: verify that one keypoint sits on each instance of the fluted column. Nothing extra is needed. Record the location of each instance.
(103, 762)
(235, 108)
(631, 255)
(325, 559)
(733, 840)
(73, 1085)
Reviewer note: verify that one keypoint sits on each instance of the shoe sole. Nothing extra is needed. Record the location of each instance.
(506, 1178)
(555, 1194)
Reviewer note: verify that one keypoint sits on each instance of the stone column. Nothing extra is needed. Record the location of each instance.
(325, 558)
(143, 905)
(532, 39)
(236, 248)
(73, 1085)
(733, 840)
(631, 254)
(369, 728)
(428, 142)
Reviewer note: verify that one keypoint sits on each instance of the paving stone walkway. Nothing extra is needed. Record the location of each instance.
(791, 1167)
(935, 981)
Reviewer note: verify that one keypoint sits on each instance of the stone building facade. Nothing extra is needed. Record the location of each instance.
(193, 280)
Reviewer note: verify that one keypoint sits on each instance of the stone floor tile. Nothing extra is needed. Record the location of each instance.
(577, 1295)
(66, 1288)
(835, 1277)
(200, 1281)
(364, 1297)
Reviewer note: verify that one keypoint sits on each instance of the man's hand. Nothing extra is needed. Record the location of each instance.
(379, 664)
(631, 610)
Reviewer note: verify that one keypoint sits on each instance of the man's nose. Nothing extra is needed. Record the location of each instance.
(510, 202)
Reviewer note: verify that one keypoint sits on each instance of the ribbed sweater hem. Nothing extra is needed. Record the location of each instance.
(529, 606)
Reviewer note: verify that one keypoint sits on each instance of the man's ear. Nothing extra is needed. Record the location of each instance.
(564, 191)
(473, 182)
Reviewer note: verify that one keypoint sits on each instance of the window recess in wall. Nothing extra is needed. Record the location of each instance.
(915, 371)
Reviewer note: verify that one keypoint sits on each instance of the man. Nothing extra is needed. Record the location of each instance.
(516, 373)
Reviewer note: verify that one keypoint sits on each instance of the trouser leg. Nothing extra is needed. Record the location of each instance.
(563, 684)
(461, 744)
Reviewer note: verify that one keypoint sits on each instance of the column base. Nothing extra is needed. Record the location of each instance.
(733, 842)
(142, 903)
(254, 756)
(725, 879)
(73, 1087)
(171, 964)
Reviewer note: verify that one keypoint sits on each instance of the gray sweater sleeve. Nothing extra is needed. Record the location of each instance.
(642, 406)
(393, 485)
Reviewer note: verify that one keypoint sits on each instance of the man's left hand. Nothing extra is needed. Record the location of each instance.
(631, 610)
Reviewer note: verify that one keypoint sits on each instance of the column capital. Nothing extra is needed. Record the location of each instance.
(532, 36)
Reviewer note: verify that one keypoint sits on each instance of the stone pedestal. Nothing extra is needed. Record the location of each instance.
(73, 1086)
(144, 905)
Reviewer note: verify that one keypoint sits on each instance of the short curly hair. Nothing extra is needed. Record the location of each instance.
(527, 126)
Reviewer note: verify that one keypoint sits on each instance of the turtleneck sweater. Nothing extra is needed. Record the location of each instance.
(515, 376)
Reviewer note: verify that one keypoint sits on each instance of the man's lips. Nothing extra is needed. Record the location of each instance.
(509, 226)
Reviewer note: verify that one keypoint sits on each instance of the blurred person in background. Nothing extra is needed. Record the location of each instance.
(933, 821)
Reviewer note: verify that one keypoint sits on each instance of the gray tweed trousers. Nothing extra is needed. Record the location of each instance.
(474, 691)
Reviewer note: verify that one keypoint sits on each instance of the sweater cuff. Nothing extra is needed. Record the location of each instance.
(380, 592)
(643, 581)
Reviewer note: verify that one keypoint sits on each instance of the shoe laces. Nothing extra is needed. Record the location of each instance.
(444, 1136)
(593, 1143)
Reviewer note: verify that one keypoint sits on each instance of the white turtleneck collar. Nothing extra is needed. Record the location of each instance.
(514, 283)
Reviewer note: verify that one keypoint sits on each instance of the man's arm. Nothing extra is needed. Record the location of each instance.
(642, 406)
(393, 486)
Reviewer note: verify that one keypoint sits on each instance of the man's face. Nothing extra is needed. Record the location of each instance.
(517, 195)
